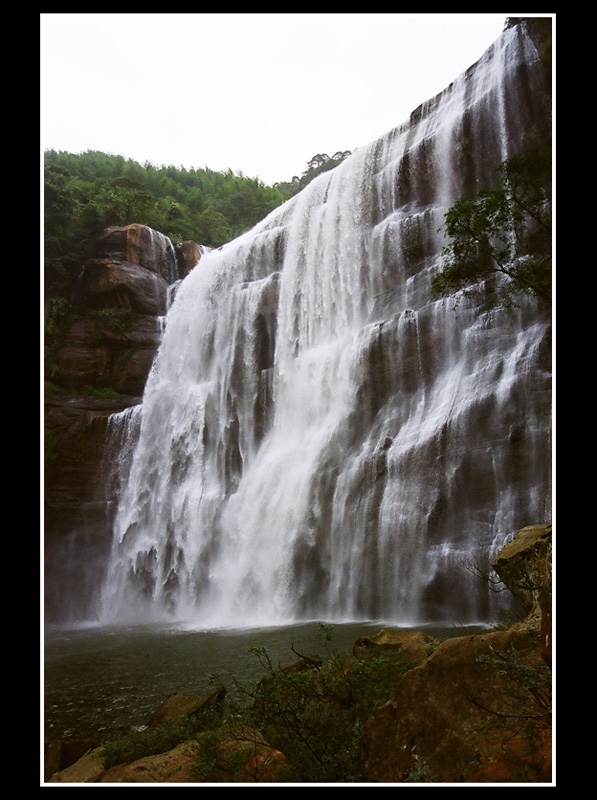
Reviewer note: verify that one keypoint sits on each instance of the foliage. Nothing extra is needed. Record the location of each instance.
(153, 741)
(86, 192)
(504, 231)
(56, 315)
(100, 392)
(117, 320)
(314, 712)
(235, 753)
(57, 318)
(530, 686)
(318, 164)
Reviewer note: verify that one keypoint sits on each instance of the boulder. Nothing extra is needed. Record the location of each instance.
(140, 246)
(51, 758)
(87, 769)
(413, 645)
(108, 283)
(60, 755)
(188, 254)
(478, 709)
(173, 766)
(178, 706)
(524, 565)
(238, 754)
(225, 756)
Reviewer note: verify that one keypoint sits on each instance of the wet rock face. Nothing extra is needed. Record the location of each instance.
(108, 350)
(101, 368)
(188, 254)
(107, 283)
(142, 246)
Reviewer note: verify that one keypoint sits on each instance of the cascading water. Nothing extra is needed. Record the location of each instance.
(318, 439)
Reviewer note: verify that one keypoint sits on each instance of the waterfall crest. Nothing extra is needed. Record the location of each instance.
(318, 439)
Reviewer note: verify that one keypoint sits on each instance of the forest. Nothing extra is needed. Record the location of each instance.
(87, 192)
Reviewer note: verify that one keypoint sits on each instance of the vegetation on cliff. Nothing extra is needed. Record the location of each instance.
(87, 192)
(504, 231)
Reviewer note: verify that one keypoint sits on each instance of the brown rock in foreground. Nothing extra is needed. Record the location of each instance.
(87, 769)
(174, 766)
(479, 709)
(413, 645)
(237, 755)
(466, 715)
(524, 565)
(179, 706)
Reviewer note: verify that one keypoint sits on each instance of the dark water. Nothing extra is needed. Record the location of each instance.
(103, 682)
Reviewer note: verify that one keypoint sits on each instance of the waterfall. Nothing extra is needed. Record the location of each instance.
(317, 438)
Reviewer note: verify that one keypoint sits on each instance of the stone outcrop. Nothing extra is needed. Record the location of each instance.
(106, 283)
(173, 766)
(228, 756)
(120, 298)
(140, 246)
(100, 368)
(524, 565)
(180, 706)
(236, 756)
(413, 645)
(59, 755)
(108, 351)
(188, 254)
(88, 769)
(479, 708)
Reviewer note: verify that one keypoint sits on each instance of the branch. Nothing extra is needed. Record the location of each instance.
(306, 658)
(509, 716)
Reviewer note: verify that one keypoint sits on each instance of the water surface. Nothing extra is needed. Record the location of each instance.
(104, 682)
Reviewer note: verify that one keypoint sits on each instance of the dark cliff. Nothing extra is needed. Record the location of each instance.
(101, 367)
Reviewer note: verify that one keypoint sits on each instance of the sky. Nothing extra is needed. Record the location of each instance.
(259, 94)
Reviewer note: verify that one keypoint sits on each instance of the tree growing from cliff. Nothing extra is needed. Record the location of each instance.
(504, 232)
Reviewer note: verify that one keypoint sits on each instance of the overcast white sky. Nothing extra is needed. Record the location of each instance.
(259, 93)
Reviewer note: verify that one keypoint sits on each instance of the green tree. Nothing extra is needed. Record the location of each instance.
(314, 710)
(319, 163)
(504, 231)
(119, 201)
(212, 227)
